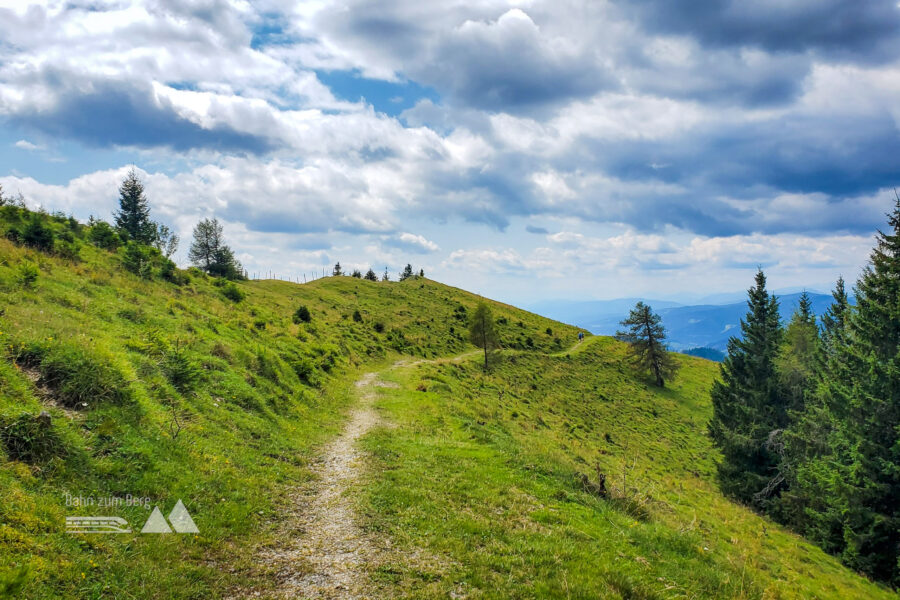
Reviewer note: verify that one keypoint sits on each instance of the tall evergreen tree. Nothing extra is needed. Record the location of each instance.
(407, 272)
(748, 412)
(209, 251)
(482, 332)
(871, 492)
(337, 271)
(798, 360)
(646, 336)
(816, 445)
(370, 275)
(133, 216)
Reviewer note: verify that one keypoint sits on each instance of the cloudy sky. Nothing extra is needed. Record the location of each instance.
(525, 150)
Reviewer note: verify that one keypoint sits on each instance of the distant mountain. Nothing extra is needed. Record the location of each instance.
(700, 326)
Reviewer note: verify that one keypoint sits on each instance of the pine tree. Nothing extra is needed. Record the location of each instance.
(798, 360)
(356, 274)
(133, 216)
(385, 276)
(871, 491)
(646, 336)
(337, 271)
(370, 275)
(482, 332)
(407, 272)
(748, 411)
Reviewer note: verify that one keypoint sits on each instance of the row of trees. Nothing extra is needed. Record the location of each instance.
(370, 275)
(807, 416)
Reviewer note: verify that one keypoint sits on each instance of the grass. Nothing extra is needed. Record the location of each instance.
(487, 474)
(181, 390)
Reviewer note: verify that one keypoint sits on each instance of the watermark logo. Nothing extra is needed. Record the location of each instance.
(179, 521)
(97, 525)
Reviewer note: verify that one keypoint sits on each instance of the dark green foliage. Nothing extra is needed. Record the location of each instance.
(748, 411)
(370, 276)
(104, 236)
(378, 326)
(337, 271)
(31, 438)
(38, 234)
(133, 216)
(646, 336)
(233, 292)
(797, 361)
(482, 332)
(138, 259)
(407, 272)
(302, 315)
(357, 274)
(357, 316)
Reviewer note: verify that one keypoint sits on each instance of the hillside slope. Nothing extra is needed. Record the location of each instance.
(165, 392)
(485, 475)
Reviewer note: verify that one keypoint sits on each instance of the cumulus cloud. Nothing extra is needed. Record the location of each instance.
(412, 242)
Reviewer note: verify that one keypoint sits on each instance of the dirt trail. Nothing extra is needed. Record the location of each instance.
(330, 553)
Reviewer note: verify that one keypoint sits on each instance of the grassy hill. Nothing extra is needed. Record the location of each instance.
(495, 477)
(174, 386)
(168, 392)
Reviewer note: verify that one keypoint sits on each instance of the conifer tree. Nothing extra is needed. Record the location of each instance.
(646, 336)
(798, 360)
(748, 411)
(407, 272)
(370, 275)
(871, 490)
(816, 448)
(133, 216)
(337, 271)
(209, 251)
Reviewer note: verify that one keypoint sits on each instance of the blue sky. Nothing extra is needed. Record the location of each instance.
(525, 150)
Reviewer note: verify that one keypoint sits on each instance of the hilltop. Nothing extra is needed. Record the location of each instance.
(183, 386)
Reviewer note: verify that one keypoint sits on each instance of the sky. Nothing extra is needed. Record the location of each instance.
(524, 150)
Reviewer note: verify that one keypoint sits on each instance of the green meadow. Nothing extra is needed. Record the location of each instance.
(487, 485)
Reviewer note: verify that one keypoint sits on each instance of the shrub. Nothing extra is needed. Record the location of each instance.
(233, 292)
(80, 377)
(170, 273)
(27, 275)
(14, 235)
(37, 235)
(305, 369)
(302, 315)
(181, 371)
(31, 438)
(379, 326)
(104, 236)
(68, 250)
(138, 259)
(357, 316)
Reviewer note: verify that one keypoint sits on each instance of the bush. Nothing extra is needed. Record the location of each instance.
(138, 259)
(379, 326)
(305, 369)
(233, 292)
(79, 377)
(181, 371)
(37, 235)
(357, 316)
(68, 250)
(104, 236)
(27, 275)
(14, 234)
(31, 438)
(302, 315)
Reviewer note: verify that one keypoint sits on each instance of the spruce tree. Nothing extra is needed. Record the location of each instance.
(646, 337)
(749, 414)
(816, 445)
(133, 216)
(871, 491)
(798, 360)
(337, 271)
(407, 272)
(370, 275)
